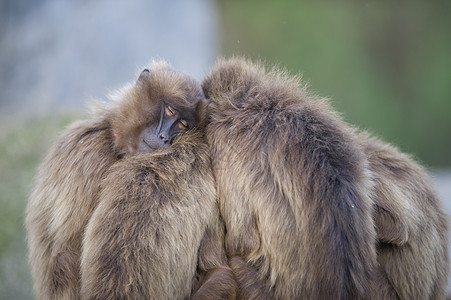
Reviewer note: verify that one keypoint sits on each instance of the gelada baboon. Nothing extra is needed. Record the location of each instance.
(313, 209)
(156, 216)
(410, 223)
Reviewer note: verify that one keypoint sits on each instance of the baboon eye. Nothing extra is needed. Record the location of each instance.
(169, 111)
(183, 124)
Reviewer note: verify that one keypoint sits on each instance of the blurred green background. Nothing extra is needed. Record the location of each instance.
(386, 65)
(24, 143)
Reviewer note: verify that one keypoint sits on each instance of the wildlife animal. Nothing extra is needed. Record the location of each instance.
(314, 209)
(411, 226)
(139, 167)
(157, 220)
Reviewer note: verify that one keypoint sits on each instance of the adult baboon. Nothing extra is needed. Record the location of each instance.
(292, 185)
(104, 161)
(312, 211)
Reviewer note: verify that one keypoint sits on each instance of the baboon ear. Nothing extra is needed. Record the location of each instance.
(144, 75)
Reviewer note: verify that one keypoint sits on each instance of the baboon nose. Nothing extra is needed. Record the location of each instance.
(162, 137)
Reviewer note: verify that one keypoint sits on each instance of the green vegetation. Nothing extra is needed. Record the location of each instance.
(23, 144)
(386, 65)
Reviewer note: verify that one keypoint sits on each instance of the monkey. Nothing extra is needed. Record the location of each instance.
(313, 208)
(411, 225)
(292, 185)
(134, 132)
(142, 240)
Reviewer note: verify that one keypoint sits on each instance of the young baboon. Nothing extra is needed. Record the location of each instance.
(314, 210)
(87, 166)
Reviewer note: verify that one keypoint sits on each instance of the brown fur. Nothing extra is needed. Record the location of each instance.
(301, 194)
(65, 194)
(292, 185)
(410, 224)
(68, 189)
(143, 239)
(250, 286)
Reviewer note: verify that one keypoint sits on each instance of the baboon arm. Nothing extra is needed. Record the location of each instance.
(250, 286)
(218, 283)
(216, 280)
(400, 187)
(389, 227)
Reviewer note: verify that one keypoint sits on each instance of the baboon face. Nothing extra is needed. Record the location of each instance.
(161, 132)
(161, 105)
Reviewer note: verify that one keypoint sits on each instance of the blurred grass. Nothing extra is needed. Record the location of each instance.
(23, 145)
(386, 65)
